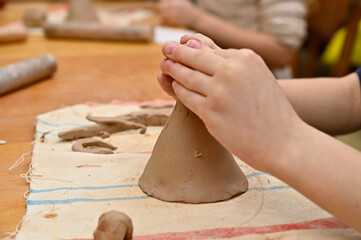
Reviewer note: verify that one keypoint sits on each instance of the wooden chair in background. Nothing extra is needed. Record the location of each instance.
(325, 18)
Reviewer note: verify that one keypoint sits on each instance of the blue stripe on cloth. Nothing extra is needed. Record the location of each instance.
(270, 188)
(114, 186)
(257, 174)
(50, 133)
(59, 124)
(82, 188)
(73, 200)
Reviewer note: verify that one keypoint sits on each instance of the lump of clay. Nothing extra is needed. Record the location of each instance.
(148, 117)
(91, 145)
(114, 225)
(189, 165)
(108, 125)
(34, 17)
(101, 130)
(81, 11)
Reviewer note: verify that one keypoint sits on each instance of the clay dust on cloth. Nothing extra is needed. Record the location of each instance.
(70, 190)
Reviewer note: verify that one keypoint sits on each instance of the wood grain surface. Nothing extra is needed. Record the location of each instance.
(87, 71)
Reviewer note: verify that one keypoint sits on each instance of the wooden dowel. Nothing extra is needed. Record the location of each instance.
(12, 33)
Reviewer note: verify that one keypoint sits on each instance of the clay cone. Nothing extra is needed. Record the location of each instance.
(81, 11)
(189, 165)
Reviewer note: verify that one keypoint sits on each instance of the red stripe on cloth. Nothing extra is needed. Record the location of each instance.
(80, 166)
(325, 223)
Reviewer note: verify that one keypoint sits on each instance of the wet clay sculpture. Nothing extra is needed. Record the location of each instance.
(34, 17)
(91, 145)
(23, 73)
(114, 225)
(188, 165)
(108, 125)
(12, 33)
(81, 11)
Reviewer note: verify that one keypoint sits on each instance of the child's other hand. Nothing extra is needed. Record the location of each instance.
(176, 12)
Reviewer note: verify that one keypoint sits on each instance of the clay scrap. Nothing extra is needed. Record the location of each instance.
(34, 17)
(108, 125)
(114, 225)
(91, 145)
(188, 165)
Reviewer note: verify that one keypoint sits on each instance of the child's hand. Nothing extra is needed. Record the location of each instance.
(236, 96)
(176, 12)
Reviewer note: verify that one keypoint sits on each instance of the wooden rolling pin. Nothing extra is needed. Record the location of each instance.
(23, 73)
(12, 33)
(99, 32)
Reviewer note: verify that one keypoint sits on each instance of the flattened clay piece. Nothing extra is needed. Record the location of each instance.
(81, 11)
(90, 145)
(101, 130)
(149, 117)
(114, 225)
(189, 165)
(34, 17)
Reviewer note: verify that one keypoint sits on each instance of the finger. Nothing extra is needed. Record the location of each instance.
(165, 82)
(194, 43)
(191, 79)
(192, 100)
(203, 61)
(200, 37)
(161, 66)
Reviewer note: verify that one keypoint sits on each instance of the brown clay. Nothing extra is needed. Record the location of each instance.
(81, 11)
(148, 117)
(101, 130)
(189, 165)
(108, 125)
(91, 145)
(158, 106)
(96, 31)
(34, 17)
(114, 225)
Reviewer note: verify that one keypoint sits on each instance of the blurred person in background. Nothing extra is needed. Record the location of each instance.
(274, 29)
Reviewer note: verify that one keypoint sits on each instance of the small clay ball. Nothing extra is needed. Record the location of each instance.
(34, 18)
(114, 225)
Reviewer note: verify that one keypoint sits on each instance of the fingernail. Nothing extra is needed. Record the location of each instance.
(168, 64)
(193, 44)
(169, 49)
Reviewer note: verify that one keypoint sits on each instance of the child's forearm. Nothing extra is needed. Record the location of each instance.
(332, 105)
(228, 35)
(324, 170)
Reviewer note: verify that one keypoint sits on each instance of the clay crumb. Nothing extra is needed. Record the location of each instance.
(196, 153)
(42, 137)
(50, 215)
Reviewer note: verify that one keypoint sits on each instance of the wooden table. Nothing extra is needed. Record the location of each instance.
(87, 71)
